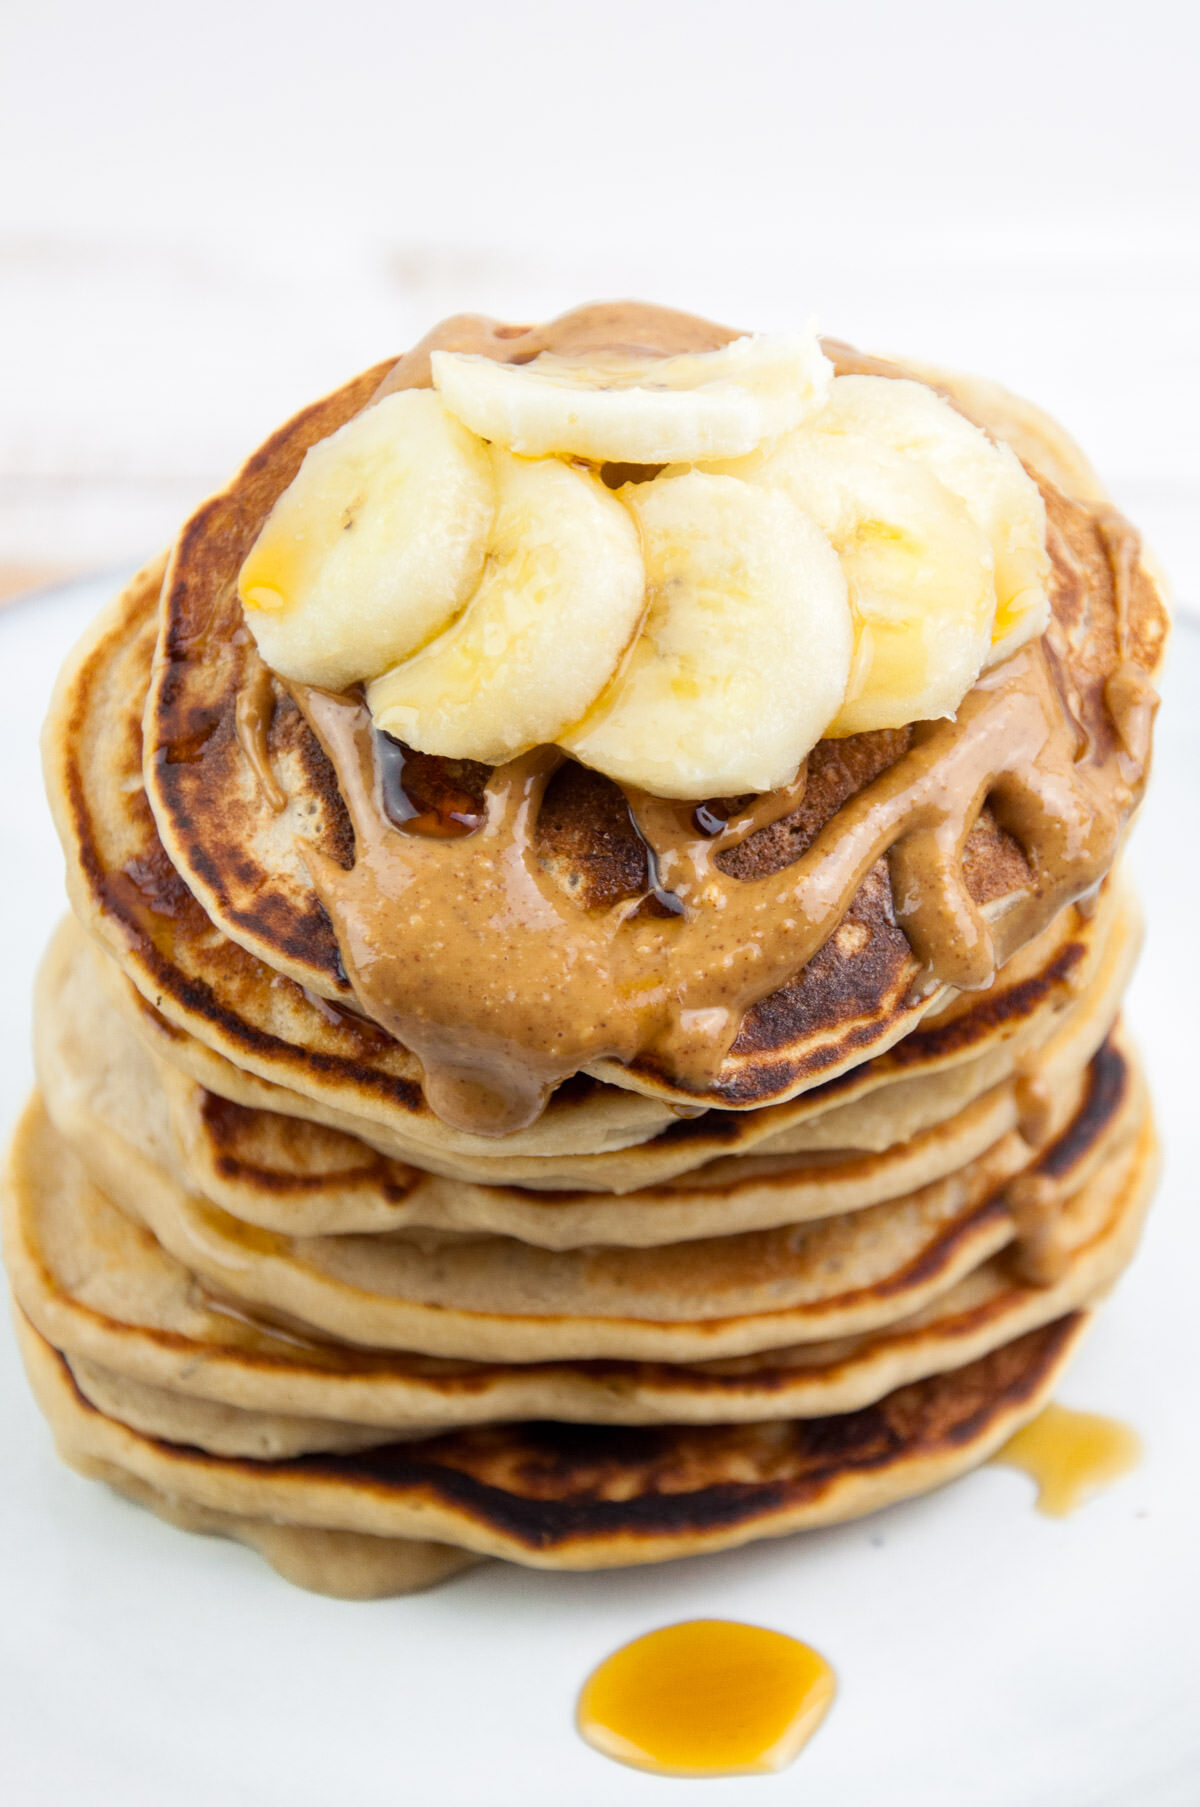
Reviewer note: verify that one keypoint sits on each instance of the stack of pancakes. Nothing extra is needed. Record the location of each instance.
(264, 1289)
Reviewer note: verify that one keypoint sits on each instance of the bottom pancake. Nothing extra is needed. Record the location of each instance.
(558, 1496)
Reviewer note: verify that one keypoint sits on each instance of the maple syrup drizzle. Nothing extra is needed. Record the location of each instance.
(709, 1697)
(455, 814)
(667, 901)
(1071, 1455)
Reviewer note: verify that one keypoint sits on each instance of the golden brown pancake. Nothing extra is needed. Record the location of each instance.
(491, 1298)
(948, 1061)
(267, 1028)
(293, 1176)
(563, 1496)
(125, 890)
(98, 1285)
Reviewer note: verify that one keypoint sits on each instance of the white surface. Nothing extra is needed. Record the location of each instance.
(987, 1656)
(213, 213)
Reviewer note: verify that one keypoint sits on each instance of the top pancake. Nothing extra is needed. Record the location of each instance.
(245, 862)
(258, 1039)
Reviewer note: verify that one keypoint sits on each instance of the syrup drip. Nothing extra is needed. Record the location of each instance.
(1071, 1455)
(262, 1333)
(709, 1697)
(667, 902)
(453, 815)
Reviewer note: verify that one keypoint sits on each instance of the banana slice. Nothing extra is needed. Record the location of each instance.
(999, 494)
(637, 410)
(745, 651)
(561, 597)
(375, 545)
(918, 569)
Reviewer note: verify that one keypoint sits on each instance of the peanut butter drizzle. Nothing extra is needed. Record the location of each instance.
(253, 717)
(1039, 1256)
(1035, 1105)
(469, 953)
(622, 327)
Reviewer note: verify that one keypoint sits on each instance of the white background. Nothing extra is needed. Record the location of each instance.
(209, 214)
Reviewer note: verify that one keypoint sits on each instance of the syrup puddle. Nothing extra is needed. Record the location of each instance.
(1071, 1455)
(709, 1697)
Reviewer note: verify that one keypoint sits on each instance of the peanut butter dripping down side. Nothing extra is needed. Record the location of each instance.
(253, 717)
(469, 953)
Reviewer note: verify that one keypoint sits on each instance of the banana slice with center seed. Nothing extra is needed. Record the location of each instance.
(713, 404)
(561, 597)
(374, 546)
(987, 476)
(919, 572)
(745, 651)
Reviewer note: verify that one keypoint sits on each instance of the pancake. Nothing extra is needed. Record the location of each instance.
(493, 1298)
(552, 1495)
(301, 1179)
(964, 1050)
(248, 1160)
(97, 1284)
(252, 864)
(222, 1430)
(125, 890)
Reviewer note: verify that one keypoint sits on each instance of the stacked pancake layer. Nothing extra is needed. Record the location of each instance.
(263, 1288)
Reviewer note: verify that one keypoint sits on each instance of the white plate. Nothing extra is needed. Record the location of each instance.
(988, 1657)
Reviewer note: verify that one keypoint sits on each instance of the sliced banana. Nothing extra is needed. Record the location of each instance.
(999, 494)
(561, 597)
(745, 651)
(374, 546)
(918, 569)
(637, 410)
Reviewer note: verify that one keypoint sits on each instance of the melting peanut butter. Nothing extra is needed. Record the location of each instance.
(466, 950)
(470, 954)
(1035, 1106)
(1039, 1255)
(628, 329)
(255, 714)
